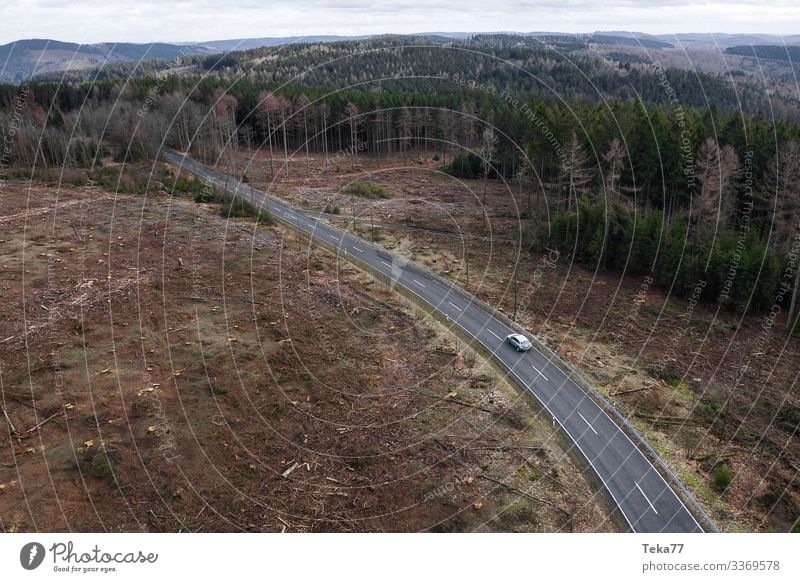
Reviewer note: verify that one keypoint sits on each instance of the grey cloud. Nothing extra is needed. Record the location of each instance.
(197, 20)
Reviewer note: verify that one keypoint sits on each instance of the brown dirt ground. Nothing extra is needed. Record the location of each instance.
(615, 331)
(164, 369)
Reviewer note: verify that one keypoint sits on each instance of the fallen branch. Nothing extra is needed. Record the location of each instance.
(291, 469)
(359, 309)
(631, 391)
(255, 302)
(45, 421)
(614, 379)
(716, 457)
(507, 448)
(455, 401)
(10, 424)
(662, 418)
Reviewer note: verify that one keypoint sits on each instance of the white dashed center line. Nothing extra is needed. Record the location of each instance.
(418, 283)
(587, 422)
(358, 249)
(494, 334)
(454, 305)
(539, 372)
(645, 497)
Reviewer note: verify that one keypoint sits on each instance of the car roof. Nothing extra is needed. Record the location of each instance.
(518, 336)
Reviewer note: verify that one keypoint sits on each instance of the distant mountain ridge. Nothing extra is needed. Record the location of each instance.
(23, 59)
(243, 44)
(790, 53)
(710, 40)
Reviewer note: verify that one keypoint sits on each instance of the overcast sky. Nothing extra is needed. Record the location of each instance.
(197, 20)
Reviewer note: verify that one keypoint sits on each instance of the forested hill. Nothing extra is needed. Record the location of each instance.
(602, 170)
(772, 52)
(550, 68)
(21, 59)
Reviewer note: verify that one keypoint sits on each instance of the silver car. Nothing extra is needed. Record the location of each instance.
(519, 342)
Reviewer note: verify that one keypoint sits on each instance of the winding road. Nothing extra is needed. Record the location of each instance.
(643, 497)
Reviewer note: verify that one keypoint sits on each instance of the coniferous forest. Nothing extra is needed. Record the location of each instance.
(641, 169)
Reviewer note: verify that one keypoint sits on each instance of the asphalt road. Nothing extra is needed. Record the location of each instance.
(647, 503)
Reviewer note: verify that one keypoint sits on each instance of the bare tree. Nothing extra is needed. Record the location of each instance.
(404, 123)
(264, 116)
(324, 114)
(486, 150)
(184, 117)
(443, 131)
(716, 169)
(303, 108)
(246, 136)
(224, 126)
(379, 123)
(285, 109)
(352, 112)
(614, 159)
(467, 132)
(575, 172)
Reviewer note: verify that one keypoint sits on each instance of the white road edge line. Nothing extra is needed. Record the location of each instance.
(454, 305)
(543, 376)
(645, 496)
(587, 422)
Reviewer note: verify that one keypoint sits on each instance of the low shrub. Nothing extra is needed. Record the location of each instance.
(102, 466)
(723, 476)
(241, 208)
(366, 190)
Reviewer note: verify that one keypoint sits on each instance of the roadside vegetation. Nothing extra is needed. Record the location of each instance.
(241, 208)
(367, 190)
